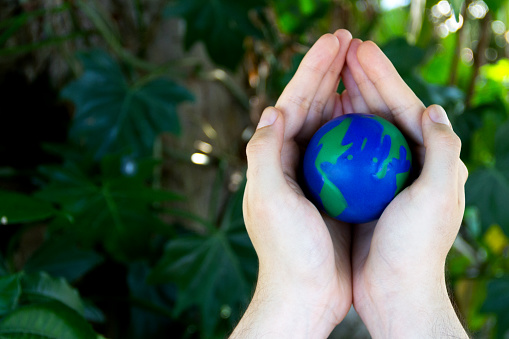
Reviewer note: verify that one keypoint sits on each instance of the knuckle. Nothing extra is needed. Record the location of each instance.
(318, 106)
(302, 102)
(403, 109)
(254, 146)
(450, 141)
(463, 171)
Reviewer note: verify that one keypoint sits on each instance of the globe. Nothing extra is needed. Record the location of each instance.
(355, 165)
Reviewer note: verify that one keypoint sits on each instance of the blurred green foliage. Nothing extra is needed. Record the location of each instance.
(118, 248)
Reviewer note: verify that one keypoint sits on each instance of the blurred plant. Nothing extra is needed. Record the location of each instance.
(109, 259)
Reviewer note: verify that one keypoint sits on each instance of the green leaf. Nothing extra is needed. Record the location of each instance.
(465, 126)
(294, 17)
(392, 24)
(45, 321)
(221, 24)
(502, 149)
(112, 115)
(19, 208)
(214, 271)
(3, 267)
(456, 7)
(497, 302)
(93, 313)
(488, 189)
(404, 57)
(10, 290)
(492, 84)
(150, 310)
(61, 257)
(40, 286)
(494, 5)
(117, 212)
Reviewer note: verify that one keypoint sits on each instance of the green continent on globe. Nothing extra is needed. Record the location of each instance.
(397, 140)
(371, 142)
(332, 199)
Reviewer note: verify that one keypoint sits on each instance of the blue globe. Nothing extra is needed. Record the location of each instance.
(355, 165)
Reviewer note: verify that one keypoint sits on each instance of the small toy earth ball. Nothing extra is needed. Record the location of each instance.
(355, 165)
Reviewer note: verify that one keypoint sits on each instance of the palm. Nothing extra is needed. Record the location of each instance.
(308, 101)
(324, 242)
(375, 87)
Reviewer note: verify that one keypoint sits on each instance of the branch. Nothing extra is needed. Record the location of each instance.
(479, 58)
(459, 42)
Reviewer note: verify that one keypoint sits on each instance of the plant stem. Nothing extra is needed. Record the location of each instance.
(111, 40)
(479, 58)
(39, 44)
(459, 42)
(226, 80)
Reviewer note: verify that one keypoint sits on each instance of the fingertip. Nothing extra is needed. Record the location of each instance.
(437, 114)
(330, 40)
(343, 35)
(367, 53)
(367, 47)
(352, 51)
(347, 102)
(269, 116)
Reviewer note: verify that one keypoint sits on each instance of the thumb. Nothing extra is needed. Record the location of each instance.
(264, 167)
(443, 148)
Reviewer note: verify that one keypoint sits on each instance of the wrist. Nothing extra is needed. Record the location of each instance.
(285, 311)
(404, 309)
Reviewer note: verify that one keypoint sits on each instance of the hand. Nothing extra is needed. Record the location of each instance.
(304, 286)
(398, 266)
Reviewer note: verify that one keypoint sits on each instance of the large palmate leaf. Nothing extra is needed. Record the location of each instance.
(111, 114)
(150, 304)
(10, 290)
(50, 320)
(497, 302)
(115, 211)
(61, 257)
(213, 271)
(17, 208)
(40, 287)
(221, 24)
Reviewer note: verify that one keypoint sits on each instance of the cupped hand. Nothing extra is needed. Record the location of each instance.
(304, 256)
(398, 261)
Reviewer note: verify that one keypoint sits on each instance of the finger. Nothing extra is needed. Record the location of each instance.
(299, 94)
(403, 104)
(347, 103)
(367, 89)
(462, 179)
(327, 87)
(338, 106)
(463, 173)
(443, 146)
(329, 108)
(264, 168)
(358, 103)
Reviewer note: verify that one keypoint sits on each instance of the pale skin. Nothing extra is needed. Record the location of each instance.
(312, 268)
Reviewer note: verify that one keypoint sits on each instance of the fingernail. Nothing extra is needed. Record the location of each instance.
(437, 114)
(269, 116)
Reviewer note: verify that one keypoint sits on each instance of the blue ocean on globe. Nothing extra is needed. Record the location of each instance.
(355, 165)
